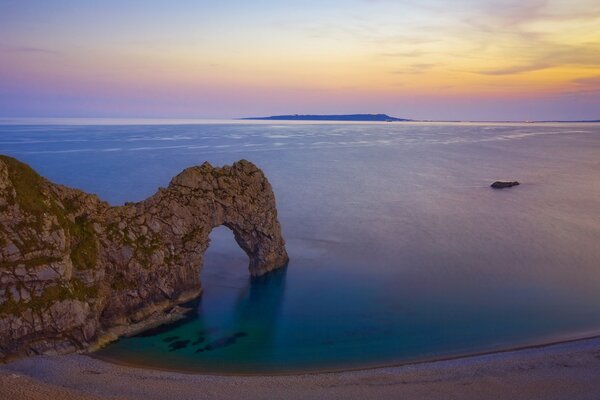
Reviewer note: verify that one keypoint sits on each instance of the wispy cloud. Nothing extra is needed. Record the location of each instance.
(588, 81)
(518, 69)
(31, 50)
(402, 54)
(416, 68)
(551, 55)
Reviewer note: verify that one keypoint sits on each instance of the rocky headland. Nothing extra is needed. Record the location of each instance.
(76, 272)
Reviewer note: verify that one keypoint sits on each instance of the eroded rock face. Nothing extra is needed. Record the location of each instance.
(73, 269)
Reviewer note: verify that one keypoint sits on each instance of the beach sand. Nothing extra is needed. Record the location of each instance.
(563, 371)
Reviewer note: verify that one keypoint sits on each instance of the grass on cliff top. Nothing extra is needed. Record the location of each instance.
(27, 184)
(30, 197)
(32, 200)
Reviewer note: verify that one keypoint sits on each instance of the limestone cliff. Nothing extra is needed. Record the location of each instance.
(74, 269)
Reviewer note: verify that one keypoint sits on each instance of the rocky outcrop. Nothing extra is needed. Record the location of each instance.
(503, 185)
(75, 271)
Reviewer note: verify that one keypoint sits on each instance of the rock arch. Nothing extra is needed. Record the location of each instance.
(75, 271)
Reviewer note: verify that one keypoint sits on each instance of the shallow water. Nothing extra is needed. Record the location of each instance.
(399, 249)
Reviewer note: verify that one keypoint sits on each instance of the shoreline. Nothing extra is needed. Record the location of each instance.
(595, 335)
(566, 370)
(152, 317)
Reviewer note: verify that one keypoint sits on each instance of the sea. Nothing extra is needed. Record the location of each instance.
(399, 249)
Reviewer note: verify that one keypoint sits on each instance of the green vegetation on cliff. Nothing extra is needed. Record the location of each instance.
(28, 186)
(73, 290)
(33, 198)
(85, 250)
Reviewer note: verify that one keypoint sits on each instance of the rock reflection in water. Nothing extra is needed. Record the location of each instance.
(255, 313)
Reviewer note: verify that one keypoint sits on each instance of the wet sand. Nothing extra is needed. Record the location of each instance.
(562, 371)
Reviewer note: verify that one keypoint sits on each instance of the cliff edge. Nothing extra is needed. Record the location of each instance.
(75, 272)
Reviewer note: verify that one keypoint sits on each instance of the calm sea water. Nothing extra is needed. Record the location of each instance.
(399, 249)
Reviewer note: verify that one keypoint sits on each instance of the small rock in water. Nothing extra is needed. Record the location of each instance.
(201, 339)
(502, 185)
(222, 342)
(179, 344)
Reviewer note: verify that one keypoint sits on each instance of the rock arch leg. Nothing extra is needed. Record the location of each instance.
(265, 252)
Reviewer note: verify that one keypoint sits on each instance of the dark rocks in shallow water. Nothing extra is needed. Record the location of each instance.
(503, 185)
(170, 338)
(199, 340)
(223, 342)
(179, 344)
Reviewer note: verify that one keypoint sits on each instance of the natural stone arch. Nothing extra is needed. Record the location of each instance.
(181, 218)
(90, 270)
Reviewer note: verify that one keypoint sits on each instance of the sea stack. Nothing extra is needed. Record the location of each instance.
(75, 272)
(504, 185)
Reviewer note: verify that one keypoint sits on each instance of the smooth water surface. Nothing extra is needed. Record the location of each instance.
(399, 249)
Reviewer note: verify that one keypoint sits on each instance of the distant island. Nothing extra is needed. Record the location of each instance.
(387, 118)
(582, 121)
(345, 117)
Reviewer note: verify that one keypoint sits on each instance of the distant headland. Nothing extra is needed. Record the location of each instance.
(344, 117)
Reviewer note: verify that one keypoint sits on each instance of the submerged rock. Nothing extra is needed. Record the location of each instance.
(222, 342)
(76, 272)
(178, 345)
(503, 185)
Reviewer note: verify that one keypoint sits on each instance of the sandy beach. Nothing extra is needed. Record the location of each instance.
(562, 371)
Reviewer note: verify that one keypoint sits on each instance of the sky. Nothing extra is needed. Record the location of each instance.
(426, 59)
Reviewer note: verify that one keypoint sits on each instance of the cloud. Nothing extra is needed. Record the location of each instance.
(518, 69)
(31, 50)
(516, 15)
(588, 81)
(416, 68)
(544, 55)
(593, 92)
(512, 13)
(402, 54)
(500, 37)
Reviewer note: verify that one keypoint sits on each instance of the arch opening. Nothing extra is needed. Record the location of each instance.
(237, 308)
(224, 260)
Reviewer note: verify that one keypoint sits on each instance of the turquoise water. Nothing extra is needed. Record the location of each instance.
(399, 249)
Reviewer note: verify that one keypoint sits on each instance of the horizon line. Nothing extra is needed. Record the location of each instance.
(4, 119)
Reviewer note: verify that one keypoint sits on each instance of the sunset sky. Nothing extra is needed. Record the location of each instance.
(426, 59)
